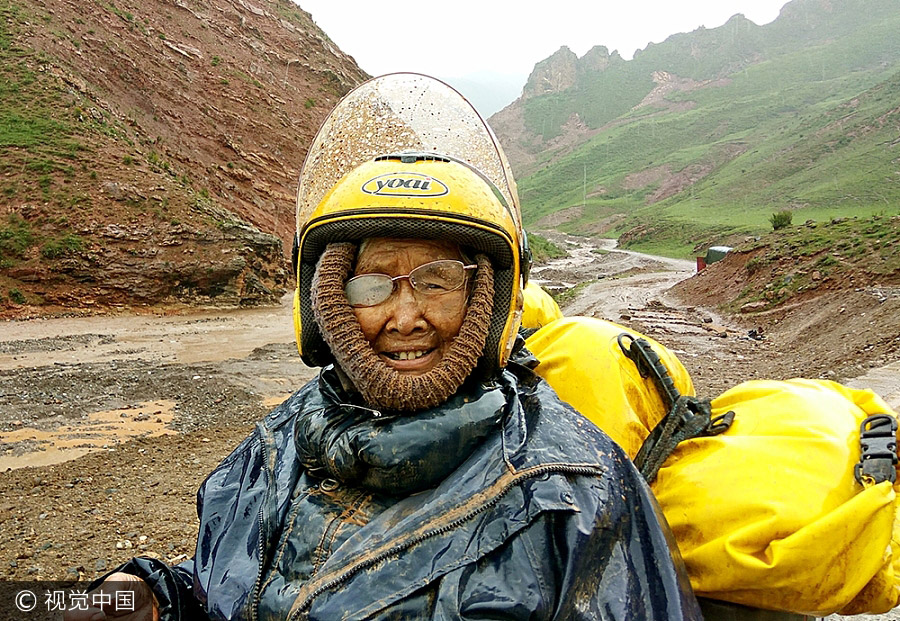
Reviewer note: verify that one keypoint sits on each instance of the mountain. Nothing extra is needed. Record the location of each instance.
(700, 138)
(150, 149)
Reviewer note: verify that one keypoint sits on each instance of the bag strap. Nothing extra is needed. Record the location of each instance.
(688, 417)
(649, 364)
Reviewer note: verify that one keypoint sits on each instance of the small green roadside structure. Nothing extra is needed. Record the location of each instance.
(713, 254)
(716, 253)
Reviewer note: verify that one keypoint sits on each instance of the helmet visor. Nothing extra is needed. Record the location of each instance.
(397, 113)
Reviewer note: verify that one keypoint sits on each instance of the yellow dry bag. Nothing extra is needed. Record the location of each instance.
(540, 308)
(770, 514)
(581, 358)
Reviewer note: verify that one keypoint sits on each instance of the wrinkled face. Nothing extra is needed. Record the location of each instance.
(410, 331)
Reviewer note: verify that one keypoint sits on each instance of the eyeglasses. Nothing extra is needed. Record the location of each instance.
(432, 278)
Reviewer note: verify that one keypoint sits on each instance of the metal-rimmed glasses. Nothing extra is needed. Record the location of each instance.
(433, 278)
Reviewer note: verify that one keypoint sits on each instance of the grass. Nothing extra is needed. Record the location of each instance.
(246, 78)
(568, 295)
(868, 244)
(44, 125)
(16, 296)
(63, 246)
(808, 129)
(797, 259)
(543, 249)
(16, 237)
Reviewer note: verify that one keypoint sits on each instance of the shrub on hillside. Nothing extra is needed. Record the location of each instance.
(16, 296)
(781, 219)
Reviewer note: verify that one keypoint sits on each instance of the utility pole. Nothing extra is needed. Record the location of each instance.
(584, 185)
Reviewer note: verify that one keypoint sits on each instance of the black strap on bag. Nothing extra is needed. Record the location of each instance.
(878, 447)
(688, 417)
(649, 364)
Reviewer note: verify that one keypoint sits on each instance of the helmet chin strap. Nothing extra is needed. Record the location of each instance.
(380, 385)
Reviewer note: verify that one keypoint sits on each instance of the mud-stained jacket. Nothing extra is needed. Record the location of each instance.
(501, 503)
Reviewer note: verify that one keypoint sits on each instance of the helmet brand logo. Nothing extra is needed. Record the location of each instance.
(405, 184)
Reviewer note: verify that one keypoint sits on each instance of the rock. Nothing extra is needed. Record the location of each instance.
(753, 307)
(716, 330)
(100, 564)
(27, 273)
(122, 191)
(552, 75)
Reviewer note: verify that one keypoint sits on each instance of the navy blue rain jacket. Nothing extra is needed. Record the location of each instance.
(502, 503)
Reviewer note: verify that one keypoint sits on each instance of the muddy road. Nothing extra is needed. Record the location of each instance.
(109, 424)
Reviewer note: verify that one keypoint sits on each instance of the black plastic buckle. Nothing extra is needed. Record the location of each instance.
(720, 423)
(878, 442)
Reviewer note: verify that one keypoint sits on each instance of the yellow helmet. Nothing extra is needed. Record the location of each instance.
(405, 155)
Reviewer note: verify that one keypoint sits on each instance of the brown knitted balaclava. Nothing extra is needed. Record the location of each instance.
(381, 386)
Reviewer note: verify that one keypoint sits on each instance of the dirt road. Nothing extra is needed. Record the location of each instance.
(109, 424)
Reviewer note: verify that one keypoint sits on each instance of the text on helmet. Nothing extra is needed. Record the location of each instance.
(405, 184)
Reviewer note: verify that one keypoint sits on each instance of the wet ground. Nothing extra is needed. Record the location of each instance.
(69, 386)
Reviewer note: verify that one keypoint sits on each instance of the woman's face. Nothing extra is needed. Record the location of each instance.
(410, 331)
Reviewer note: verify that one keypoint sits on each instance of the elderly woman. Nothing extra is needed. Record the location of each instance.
(427, 472)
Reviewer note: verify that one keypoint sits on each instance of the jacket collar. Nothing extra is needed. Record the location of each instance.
(394, 454)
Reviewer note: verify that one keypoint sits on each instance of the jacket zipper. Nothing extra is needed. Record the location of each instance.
(350, 572)
(260, 544)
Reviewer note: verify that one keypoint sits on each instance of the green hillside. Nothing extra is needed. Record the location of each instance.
(799, 114)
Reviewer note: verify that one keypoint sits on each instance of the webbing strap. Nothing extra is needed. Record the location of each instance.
(688, 417)
(649, 364)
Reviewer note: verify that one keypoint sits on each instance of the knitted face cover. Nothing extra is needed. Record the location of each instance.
(381, 386)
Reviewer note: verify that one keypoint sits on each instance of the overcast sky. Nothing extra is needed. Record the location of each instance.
(456, 38)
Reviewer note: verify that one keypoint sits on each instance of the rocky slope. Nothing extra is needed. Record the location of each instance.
(554, 75)
(149, 151)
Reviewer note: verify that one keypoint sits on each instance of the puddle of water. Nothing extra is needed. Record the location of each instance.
(101, 431)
